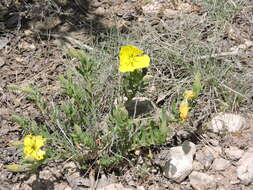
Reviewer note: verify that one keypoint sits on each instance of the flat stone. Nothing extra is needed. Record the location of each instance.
(152, 8)
(115, 186)
(220, 164)
(100, 11)
(3, 42)
(62, 186)
(197, 166)
(201, 181)
(214, 142)
(2, 62)
(46, 175)
(245, 168)
(234, 153)
(227, 122)
(75, 179)
(207, 154)
(31, 179)
(69, 165)
(104, 181)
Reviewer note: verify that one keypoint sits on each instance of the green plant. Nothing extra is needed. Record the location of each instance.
(72, 125)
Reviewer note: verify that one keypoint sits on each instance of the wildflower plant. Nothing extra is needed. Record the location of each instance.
(33, 155)
(189, 96)
(75, 123)
(132, 60)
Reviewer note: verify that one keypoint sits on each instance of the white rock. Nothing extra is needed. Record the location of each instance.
(100, 11)
(214, 142)
(114, 186)
(69, 165)
(216, 151)
(180, 161)
(140, 188)
(202, 181)
(234, 153)
(62, 186)
(221, 188)
(220, 164)
(227, 122)
(152, 8)
(46, 175)
(197, 166)
(245, 168)
(75, 179)
(207, 154)
(31, 179)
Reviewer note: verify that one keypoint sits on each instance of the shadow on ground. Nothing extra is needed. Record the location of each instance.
(56, 16)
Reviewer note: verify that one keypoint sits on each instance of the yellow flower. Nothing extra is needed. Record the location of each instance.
(132, 58)
(189, 94)
(184, 109)
(32, 145)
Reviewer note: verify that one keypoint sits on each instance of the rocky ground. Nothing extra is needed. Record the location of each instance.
(32, 51)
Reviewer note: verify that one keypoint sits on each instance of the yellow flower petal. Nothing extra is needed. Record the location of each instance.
(130, 50)
(32, 145)
(141, 61)
(27, 140)
(189, 94)
(132, 58)
(38, 155)
(184, 109)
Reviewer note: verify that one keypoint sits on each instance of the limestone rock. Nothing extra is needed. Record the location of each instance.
(114, 186)
(245, 168)
(227, 122)
(100, 11)
(234, 153)
(62, 186)
(220, 164)
(46, 175)
(152, 8)
(197, 166)
(206, 155)
(180, 159)
(201, 181)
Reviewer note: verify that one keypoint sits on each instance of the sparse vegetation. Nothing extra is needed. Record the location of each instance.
(194, 72)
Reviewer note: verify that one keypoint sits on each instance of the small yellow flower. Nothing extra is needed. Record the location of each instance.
(189, 94)
(184, 110)
(131, 58)
(32, 145)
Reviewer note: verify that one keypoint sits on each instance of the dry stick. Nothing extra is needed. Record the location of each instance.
(59, 126)
(205, 141)
(227, 87)
(226, 54)
(70, 39)
(231, 53)
(233, 3)
(96, 182)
